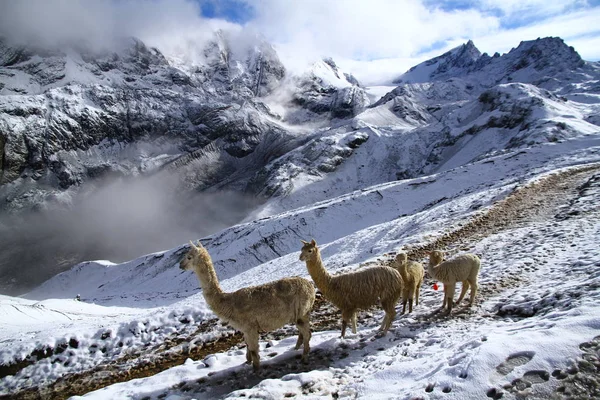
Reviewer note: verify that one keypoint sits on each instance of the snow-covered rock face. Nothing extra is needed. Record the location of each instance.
(326, 90)
(544, 62)
(461, 107)
(59, 107)
(450, 64)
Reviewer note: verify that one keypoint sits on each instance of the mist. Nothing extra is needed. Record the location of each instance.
(116, 219)
(173, 26)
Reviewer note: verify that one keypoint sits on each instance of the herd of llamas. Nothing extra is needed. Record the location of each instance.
(270, 306)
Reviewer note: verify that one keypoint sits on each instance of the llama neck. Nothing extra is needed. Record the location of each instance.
(431, 269)
(208, 281)
(318, 273)
(403, 271)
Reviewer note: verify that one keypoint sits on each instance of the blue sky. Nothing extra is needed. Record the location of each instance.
(239, 12)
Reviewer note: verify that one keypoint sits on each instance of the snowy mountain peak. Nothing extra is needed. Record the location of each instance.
(250, 64)
(324, 89)
(544, 61)
(454, 62)
(327, 73)
(468, 52)
(544, 52)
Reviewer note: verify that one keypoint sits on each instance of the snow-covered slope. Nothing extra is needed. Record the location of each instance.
(412, 134)
(352, 230)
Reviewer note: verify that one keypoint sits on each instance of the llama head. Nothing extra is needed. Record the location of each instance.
(309, 251)
(401, 257)
(196, 256)
(436, 257)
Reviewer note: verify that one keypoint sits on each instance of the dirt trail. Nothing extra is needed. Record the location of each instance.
(538, 201)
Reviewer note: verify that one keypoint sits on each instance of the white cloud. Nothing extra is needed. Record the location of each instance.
(168, 24)
(530, 8)
(571, 27)
(379, 39)
(363, 30)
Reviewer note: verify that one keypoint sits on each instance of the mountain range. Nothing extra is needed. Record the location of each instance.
(112, 160)
(235, 121)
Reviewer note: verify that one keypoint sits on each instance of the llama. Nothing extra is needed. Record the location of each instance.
(463, 268)
(257, 308)
(412, 274)
(356, 290)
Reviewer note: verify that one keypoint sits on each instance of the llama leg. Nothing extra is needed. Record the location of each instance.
(445, 299)
(474, 288)
(451, 287)
(390, 313)
(300, 337)
(404, 299)
(417, 291)
(248, 356)
(300, 340)
(252, 341)
(463, 291)
(354, 317)
(303, 325)
(346, 317)
(410, 304)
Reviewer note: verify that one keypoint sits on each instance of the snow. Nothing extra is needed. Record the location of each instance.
(363, 189)
(329, 75)
(377, 92)
(460, 354)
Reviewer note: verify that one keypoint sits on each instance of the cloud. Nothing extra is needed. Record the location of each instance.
(377, 40)
(524, 9)
(572, 27)
(171, 25)
(116, 219)
(362, 30)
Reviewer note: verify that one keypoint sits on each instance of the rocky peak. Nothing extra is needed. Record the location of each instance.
(339, 74)
(134, 57)
(253, 67)
(456, 62)
(544, 52)
(544, 62)
(10, 55)
(327, 90)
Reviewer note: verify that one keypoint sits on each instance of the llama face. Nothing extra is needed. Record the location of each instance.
(191, 259)
(187, 262)
(436, 257)
(309, 250)
(401, 258)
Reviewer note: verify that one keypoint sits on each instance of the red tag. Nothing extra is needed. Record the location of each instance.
(435, 286)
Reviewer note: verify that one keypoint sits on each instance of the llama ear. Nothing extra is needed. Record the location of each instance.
(193, 245)
(313, 242)
(199, 244)
(303, 241)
